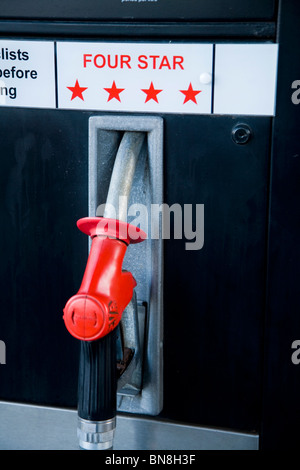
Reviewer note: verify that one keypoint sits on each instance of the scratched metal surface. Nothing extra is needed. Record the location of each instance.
(26, 427)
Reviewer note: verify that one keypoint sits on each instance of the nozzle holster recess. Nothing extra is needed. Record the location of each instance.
(105, 290)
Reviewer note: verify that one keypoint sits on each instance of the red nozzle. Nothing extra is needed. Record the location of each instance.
(105, 290)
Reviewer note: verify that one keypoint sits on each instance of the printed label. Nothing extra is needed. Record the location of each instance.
(27, 74)
(134, 77)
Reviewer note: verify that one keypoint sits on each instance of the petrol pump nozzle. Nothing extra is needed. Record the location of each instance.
(93, 314)
(105, 290)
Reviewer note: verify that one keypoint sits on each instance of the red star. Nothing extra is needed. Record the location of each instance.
(190, 94)
(151, 93)
(77, 91)
(114, 92)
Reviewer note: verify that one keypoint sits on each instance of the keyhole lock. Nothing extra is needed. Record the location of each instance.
(241, 134)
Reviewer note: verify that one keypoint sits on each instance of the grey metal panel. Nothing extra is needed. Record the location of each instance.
(27, 427)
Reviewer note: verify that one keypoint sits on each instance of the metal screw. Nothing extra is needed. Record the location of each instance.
(241, 134)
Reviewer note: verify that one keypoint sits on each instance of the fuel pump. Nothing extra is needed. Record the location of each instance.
(184, 335)
(93, 314)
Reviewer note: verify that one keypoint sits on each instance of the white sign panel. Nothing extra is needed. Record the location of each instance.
(27, 74)
(171, 78)
(245, 79)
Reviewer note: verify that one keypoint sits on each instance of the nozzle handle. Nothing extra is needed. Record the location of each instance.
(97, 379)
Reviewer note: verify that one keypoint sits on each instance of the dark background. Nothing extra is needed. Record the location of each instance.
(192, 10)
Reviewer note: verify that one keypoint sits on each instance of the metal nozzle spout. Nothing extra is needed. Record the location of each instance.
(96, 435)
